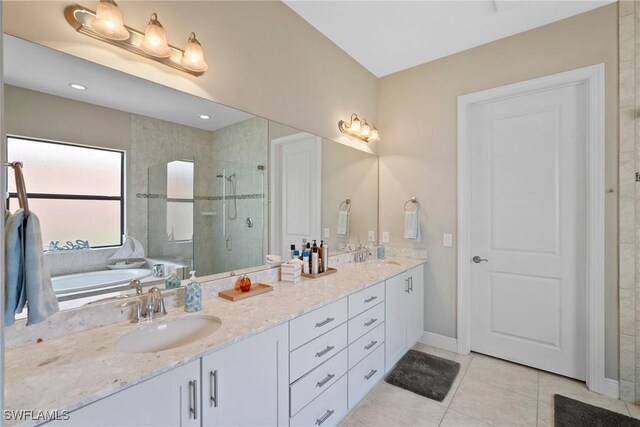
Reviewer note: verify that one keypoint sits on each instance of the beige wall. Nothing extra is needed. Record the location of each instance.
(417, 117)
(263, 57)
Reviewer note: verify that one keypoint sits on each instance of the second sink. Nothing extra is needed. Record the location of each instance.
(165, 335)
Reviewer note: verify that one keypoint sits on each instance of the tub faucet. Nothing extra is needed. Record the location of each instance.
(136, 284)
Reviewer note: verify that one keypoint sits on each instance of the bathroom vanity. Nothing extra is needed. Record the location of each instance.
(304, 354)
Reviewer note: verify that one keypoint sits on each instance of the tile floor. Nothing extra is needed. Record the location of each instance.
(487, 392)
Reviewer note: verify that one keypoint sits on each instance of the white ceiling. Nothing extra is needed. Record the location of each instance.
(38, 68)
(389, 36)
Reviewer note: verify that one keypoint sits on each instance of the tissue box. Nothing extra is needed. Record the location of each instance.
(291, 273)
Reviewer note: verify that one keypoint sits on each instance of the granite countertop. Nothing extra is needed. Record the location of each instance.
(69, 372)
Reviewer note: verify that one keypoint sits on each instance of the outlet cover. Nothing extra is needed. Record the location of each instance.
(385, 237)
(372, 236)
(447, 240)
(327, 233)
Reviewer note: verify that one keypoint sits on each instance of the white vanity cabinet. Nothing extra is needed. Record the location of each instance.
(247, 383)
(171, 399)
(404, 314)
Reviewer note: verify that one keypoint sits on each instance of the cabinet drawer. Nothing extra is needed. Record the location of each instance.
(366, 345)
(365, 299)
(316, 352)
(308, 326)
(365, 375)
(328, 408)
(365, 322)
(315, 382)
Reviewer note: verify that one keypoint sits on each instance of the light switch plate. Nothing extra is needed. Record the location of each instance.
(327, 233)
(385, 237)
(372, 236)
(447, 240)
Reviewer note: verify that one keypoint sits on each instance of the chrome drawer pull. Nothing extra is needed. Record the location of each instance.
(371, 344)
(324, 322)
(373, 298)
(193, 404)
(213, 388)
(370, 374)
(325, 351)
(326, 380)
(324, 418)
(370, 322)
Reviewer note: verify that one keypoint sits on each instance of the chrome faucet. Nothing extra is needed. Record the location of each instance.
(362, 252)
(154, 306)
(136, 284)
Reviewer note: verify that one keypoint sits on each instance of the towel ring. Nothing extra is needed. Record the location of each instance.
(413, 200)
(346, 203)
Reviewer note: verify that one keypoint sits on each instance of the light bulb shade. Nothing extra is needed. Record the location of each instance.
(108, 21)
(155, 39)
(193, 57)
(355, 124)
(374, 137)
(366, 130)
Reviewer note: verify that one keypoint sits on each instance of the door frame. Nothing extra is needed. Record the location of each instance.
(275, 211)
(593, 78)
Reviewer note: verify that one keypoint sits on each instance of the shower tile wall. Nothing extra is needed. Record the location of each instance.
(239, 149)
(629, 201)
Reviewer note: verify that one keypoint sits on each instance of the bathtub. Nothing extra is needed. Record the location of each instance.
(79, 282)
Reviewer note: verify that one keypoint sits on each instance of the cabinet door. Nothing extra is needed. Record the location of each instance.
(396, 290)
(415, 306)
(165, 400)
(246, 384)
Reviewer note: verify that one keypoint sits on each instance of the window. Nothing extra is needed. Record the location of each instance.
(77, 192)
(180, 175)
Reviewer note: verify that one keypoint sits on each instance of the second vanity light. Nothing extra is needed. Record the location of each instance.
(106, 24)
(359, 129)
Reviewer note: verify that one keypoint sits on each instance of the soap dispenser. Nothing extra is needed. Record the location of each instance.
(193, 294)
(173, 281)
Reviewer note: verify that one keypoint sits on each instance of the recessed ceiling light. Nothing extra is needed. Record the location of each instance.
(77, 86)
(205, 116)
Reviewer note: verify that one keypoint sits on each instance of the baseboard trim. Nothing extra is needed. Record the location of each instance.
(612, 388)
(439, 341)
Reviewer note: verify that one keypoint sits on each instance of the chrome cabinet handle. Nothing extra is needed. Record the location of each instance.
(213, 388)
(478, 260)
(371, 344)
(324, 418)
(193, 406)
(325, 380)
(373, 298)
(407, 282)
(325, 322)
(370, 374)
(370, 322)
(325, 351)
(411, 283)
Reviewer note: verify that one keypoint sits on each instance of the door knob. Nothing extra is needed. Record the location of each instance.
(478, 260)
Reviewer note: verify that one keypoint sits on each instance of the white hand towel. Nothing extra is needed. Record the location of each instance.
(411, 225)
(343, 223)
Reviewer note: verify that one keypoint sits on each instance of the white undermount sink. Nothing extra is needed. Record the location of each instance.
(167, 334)
(378, 263)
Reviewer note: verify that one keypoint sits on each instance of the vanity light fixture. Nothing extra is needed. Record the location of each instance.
(77, 86)
(107, 25)
(359, 129)
(204, 116)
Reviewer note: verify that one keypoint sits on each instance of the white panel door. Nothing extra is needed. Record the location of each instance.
(247, 383)
(297, 190)
(395, 319)
(415, 306)
(527, 220)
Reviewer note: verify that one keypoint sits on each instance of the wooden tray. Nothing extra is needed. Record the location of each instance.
(326, 273)
(237, 294)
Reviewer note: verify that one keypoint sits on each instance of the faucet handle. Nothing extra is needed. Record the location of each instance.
(137, 285)
(156, 302)
(138, 310)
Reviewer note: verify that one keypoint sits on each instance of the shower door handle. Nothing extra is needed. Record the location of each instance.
(229, 244)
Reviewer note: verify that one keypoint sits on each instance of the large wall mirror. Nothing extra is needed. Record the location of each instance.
(131, 179)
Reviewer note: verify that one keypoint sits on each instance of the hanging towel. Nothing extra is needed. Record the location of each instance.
(343, 223)
(27, 278)
(411, 225)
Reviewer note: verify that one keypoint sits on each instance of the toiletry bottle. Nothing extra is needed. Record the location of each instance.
(296, 254)
(381, 251)
(173, 281)
(325, 255)
(193, 294)
(291, 250)
(315, 260)
(321, 257)
(305, 260)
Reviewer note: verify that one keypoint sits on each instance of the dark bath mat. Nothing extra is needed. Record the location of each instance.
(572, 413)
(424, 374)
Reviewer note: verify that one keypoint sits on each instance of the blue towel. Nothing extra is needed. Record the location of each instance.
(27, 278)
